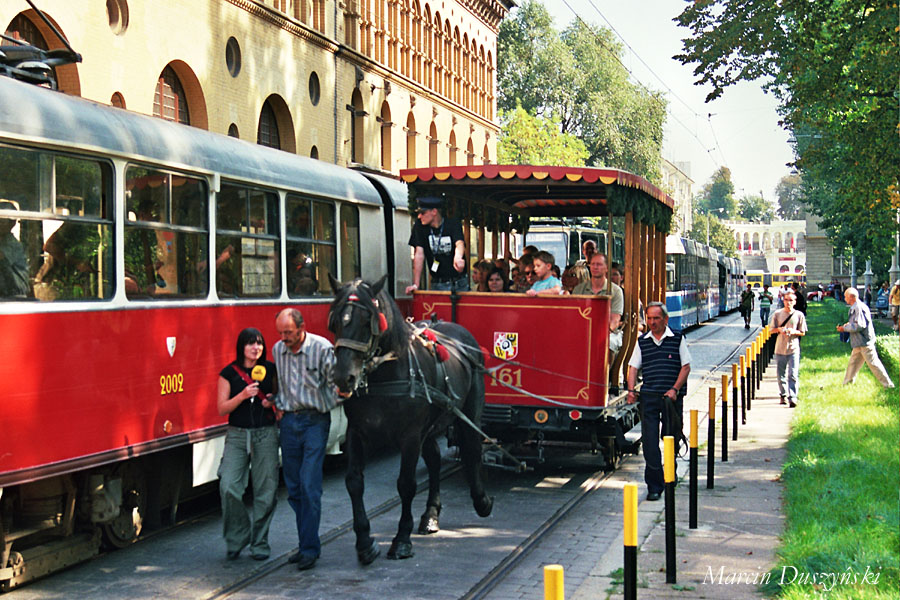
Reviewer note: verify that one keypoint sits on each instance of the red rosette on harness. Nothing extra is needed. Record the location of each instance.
(382, 322)
(429, 335)
(442, 353)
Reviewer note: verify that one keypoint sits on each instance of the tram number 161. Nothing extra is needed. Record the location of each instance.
(171, 384)
(508, 376)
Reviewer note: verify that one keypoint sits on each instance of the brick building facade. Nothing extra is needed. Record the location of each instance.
(379, 84)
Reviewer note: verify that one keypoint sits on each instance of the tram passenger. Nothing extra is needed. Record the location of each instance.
(480, 271)
(801, 298)
(526, 274)
(616, 273)
(251, 443)
(545, 284)
(306, 394)
(573, 275)
(588, 249)
(598, 284)
(496, 282)
(665, 361)
(438, 242)
(14, 282)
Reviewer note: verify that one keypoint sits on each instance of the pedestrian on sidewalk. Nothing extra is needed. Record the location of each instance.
(790, 326)
(765, 305)
(895, 303)
(663, 357)
(862, 340)
(747, 299)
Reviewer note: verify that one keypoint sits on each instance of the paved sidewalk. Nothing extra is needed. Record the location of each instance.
(739, 522)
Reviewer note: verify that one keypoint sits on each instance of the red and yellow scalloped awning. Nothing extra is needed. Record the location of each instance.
(540, 190)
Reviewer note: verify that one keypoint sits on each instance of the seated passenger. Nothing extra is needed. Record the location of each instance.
(545, 284)
(598, 285)
(616, 273)
(496, 282)
(588, 249)
(14, 281)
(573, 275)
(480, 271)
(526, 274)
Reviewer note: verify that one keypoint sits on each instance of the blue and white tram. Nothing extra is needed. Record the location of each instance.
(701, 283)
(712, 280)
(731, 277)
(681, 282)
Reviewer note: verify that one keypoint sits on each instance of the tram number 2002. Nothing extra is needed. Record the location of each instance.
(508, 376)
(171, 384)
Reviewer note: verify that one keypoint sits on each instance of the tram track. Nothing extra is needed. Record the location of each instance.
(327, 538)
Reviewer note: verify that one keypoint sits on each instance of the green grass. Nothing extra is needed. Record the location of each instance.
(842, 473)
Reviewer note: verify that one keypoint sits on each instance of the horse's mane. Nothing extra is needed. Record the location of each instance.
(395, 338)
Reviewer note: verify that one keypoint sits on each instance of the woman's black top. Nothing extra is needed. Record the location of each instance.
(250, 413)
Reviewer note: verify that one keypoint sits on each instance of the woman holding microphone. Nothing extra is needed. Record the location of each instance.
(251, 442)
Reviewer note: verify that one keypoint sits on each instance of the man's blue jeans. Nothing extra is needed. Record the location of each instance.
(764, 315)
(652, 419)
(788, 367)
(303, 438)
(461, 284)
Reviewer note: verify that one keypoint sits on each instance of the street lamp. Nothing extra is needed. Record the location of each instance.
(708, 214)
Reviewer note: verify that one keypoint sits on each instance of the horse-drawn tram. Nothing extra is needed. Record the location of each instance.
(552, 378)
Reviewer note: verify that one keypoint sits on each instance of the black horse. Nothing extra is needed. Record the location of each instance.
(400, 387)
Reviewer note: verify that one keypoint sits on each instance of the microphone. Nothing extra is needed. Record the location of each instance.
(257, 374)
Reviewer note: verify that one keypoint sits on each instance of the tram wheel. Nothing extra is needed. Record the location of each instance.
(611, 455)
(126, 527)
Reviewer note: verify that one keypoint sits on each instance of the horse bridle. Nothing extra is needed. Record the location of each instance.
(377, 327)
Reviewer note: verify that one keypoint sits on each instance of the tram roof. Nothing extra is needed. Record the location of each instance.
(35, 114)
(535, 189)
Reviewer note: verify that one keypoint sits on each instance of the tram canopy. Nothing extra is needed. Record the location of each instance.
(539, 191)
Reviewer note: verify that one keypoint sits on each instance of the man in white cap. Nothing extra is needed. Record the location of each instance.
(439, 247)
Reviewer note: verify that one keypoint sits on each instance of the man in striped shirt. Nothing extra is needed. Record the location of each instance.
(306, 394)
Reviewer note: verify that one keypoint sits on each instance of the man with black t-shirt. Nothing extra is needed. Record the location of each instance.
(439, 247)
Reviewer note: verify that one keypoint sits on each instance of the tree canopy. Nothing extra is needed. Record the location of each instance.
(575, 78)
(721, 236)
(756, 208)
(834, 67)
(529, 140)
(718, 194)
(790, 197)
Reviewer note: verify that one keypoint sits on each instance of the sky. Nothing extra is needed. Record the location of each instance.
(742, 132)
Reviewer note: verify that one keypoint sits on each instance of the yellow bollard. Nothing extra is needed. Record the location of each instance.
(669, 478)
(630, 535)
(694, 455)
(554, 588)
(711, 440)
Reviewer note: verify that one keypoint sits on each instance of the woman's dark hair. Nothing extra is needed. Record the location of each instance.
(246, 337)
(502, 275)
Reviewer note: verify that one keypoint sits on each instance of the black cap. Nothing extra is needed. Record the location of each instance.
(430, 202)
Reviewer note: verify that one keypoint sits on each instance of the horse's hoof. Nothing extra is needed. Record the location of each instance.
(400, 550)
(484, 505)
(428, 525)
(367, 556)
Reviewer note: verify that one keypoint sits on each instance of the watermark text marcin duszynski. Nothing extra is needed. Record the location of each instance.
(788, 575)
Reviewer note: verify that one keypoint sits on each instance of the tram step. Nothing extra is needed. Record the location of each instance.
(47, 558)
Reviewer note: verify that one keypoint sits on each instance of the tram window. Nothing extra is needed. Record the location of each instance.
(350, 264)
(166, 235)
(311, 247)
(247, 243)
(55, 234)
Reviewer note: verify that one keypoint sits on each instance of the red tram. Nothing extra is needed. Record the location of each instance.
(132, 252)
(553, 351)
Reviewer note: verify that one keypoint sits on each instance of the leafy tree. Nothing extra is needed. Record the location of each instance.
(790, 197)
(834, 67)
(721, 236)
(718, 193)
(575, 77)
(756, 208)
(528, 140)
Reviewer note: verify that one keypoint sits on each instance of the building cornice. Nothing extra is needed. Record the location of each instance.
(286, 23)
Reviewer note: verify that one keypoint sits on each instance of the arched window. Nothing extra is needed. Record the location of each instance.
(457, 59)
(777, 242)
(276, 127)
(357, 128)
(417, 41)
(482, 82)
(490, 87)
(801, 242)
(453, 148)
(438, 59)
(746, 242)
(486, 154)
(756, 241)
(427, 49)
(410, 142)
(169, 100)
(448, 60)
(767, 241)
(465, 72)
(385, 136)
(432, 146)
(405, 38)
(470, 153)
(267, 133)
(117, 100)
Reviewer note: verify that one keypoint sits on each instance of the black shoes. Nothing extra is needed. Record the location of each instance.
(232, 554)
(791, 403)
(303, 562)
(783, 401)
(653, 496)
(259, 556)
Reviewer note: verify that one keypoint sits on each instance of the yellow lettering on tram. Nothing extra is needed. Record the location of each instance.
(171, 384)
